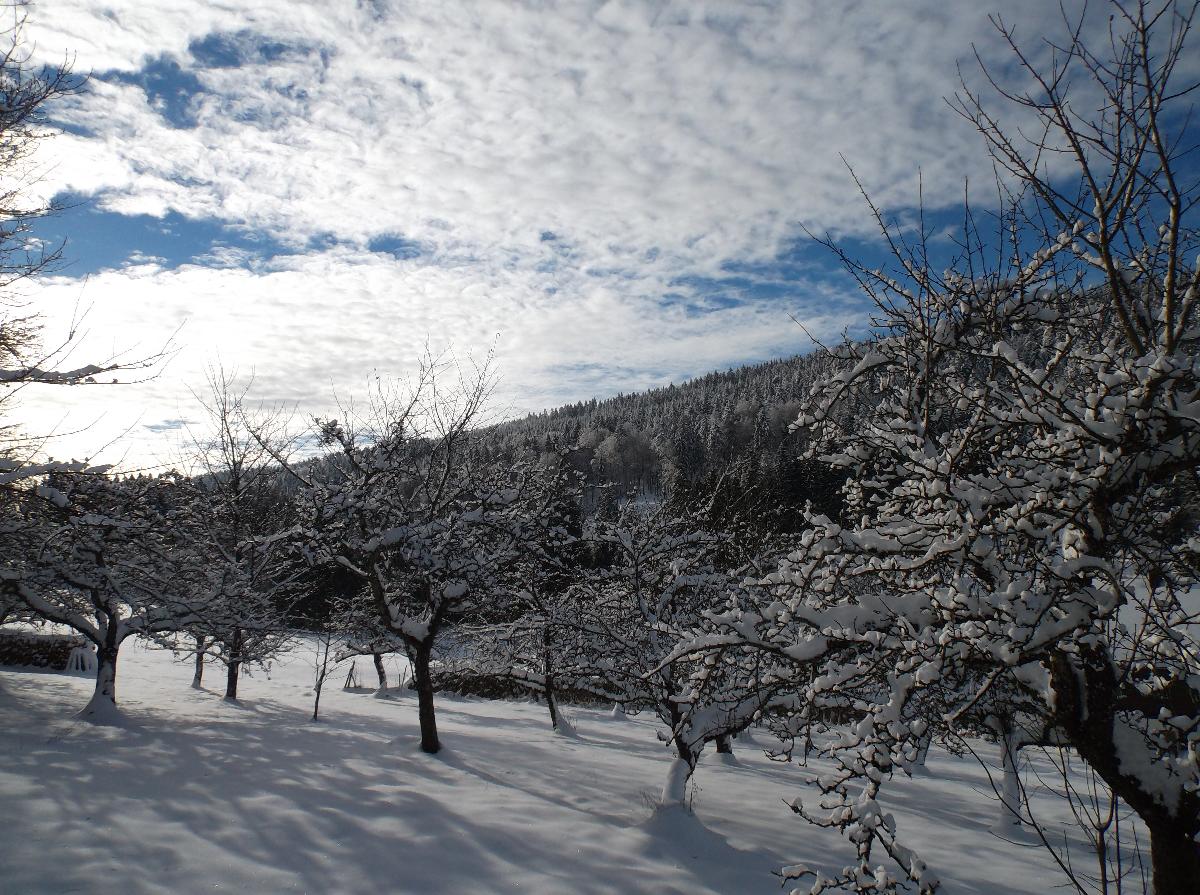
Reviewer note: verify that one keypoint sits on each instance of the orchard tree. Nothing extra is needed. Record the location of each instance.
(1022, 502)
(25, 91)
(524, 635)
(404, 504)
(242, 514)
(34, 521)
(637, 621)
(109, 560)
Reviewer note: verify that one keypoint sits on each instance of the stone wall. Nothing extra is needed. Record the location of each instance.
(32, 649)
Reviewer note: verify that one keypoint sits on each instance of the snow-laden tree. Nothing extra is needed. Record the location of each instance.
(633, 617)
(25, 91)
(1022, 505)
(405, 504)
(524, 634)
(239, 507)
(109, 560)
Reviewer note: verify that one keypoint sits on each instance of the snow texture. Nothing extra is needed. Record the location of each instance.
(192, 794)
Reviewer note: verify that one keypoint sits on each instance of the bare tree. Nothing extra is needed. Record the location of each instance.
(634, 620)
(242, 509)
(1022, 501)
(109, 560)
(404, 505)
(524, 635)
(27, 91)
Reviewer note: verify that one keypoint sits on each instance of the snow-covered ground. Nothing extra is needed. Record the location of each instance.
(198, 795)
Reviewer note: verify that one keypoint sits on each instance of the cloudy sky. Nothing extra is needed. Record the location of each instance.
(610, 193)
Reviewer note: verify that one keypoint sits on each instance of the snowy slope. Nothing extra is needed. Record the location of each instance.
(196, 795)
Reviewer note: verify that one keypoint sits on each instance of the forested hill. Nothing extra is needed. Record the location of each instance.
(730, 427)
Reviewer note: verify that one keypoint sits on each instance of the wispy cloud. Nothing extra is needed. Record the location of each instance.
(313, 325)
(586, 183)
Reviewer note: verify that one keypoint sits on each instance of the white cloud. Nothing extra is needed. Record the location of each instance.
(655, 141)
(312, 326)
(685, 128)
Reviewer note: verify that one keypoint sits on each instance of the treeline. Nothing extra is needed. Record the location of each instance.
(727, 436)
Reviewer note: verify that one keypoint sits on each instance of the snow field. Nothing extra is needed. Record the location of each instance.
(198, 795)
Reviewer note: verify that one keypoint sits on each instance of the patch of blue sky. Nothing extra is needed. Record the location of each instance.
(806, 261)
(789, 277)
(170, 89)
(238, 48)
(172, 86)
(96, 239)
(323, 241)
(168, 425)
(559, 253)
(397, 246)
(948, 230)
(705, 296)
(616, 273)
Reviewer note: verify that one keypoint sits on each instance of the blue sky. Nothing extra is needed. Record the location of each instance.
(612, 195)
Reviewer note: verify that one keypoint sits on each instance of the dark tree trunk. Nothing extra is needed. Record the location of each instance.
(1086, 690)
(232, 673)
(1175, 856)
(234, 669)
(102, 707)
(322, 672)
(106, 674)
(423, 678)
(379, 670)
(551, 703)
(724, 744)
(198, 675)
(548, 675)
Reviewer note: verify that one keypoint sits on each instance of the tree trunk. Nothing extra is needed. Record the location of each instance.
(682, 766)
(102, 707)
(548, 676)
(380, 671)
(724, 744)
(322, 672)
(1009, 820)
(551, 703)
(232, 673)
(674, 791)
(234, 668)
(1085, 691)
(198, 675)
(1009, 791)
(424, 681)
(1175, 856)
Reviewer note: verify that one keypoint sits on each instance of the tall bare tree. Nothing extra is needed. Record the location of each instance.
(403, 504)
(242, 509)
(1022, 507)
